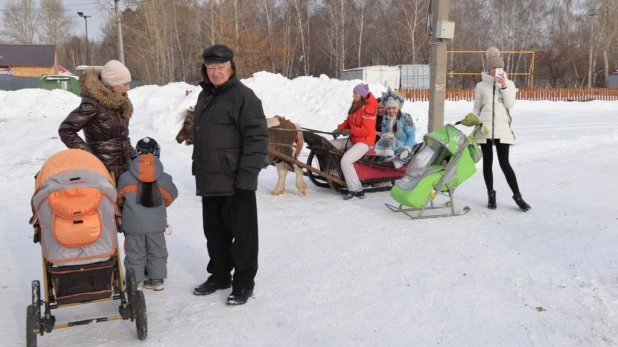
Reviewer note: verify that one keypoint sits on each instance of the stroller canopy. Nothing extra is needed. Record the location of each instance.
(447, 137)
(70, 160)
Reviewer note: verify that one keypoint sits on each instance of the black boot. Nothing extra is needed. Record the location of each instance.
(491, 200)
(211, 285)
(239, 296)
(521, 203)
(351, 195)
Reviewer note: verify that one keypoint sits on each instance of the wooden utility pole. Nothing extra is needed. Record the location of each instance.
(437, 68)
(119, 30)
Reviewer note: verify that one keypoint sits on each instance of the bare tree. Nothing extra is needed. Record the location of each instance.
(55, 23)
(361, 25)
(301, 9)
(163, 39)
(412, 16)
(335, 15)
(610, 28)
(72, 52)
(236, 26)
(20, 21)
(213, 26)
(289, 39)
(269, 8)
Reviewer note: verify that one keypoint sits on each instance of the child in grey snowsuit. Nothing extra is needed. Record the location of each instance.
(144, 192)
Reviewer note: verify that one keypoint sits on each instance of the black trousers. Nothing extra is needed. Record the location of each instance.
(231, 230)
(502, 150)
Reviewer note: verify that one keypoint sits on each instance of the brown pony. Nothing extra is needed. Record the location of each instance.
(283, 136)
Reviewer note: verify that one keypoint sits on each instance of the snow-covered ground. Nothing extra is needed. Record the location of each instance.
(352, 273)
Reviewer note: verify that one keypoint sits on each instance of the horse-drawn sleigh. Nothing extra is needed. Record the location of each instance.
(445, 159)
(323, 166)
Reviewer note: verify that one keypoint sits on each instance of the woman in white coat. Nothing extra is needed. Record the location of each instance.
(495, 96)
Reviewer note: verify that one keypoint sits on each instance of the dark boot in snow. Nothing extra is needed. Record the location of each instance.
(156, 285)
(491, 200)
(521, 203)
(351, 195)
(239, 296)
(210, 286)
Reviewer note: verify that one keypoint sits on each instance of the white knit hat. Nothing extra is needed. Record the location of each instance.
(494, 59)
(114, 73)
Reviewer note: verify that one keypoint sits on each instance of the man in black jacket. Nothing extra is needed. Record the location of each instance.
(230, 144)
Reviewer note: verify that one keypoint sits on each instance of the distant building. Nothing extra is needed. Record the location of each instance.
(387, 76)
(415, 76)
(613, 79)
(28, 60)
(397, 77)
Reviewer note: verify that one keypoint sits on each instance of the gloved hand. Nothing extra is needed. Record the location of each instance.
(244, 194)
(336, 133)
(266, 163)
(346, 132)
(404, 154)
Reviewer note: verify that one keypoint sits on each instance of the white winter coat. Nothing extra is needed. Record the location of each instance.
(492, 104)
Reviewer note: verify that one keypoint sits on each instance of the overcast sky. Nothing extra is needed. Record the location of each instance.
(89, 7)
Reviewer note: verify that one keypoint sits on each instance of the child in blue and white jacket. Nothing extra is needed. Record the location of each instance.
(144, 193)
(398, 131)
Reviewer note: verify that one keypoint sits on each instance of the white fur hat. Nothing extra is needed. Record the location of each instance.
(392, 98)
(114, 73)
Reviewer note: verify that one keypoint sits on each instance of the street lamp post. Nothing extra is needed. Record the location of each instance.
(81, 14)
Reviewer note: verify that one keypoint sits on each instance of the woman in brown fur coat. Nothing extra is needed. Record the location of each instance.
(103, 115)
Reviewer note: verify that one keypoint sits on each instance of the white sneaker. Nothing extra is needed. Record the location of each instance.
(140, 285)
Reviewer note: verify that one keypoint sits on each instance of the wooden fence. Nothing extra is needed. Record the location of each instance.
(550, 94)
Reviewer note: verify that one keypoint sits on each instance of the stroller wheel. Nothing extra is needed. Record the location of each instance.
(139, 313)
(32, 325)
(36, 293)
(131, 286)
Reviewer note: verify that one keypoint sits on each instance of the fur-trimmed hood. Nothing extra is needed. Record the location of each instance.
(92, 87)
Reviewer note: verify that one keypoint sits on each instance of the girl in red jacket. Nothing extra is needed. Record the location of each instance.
(360, 126)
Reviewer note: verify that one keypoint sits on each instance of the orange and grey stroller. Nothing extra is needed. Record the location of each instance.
(74, 220)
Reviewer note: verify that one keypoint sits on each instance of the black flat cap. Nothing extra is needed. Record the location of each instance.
(218, 54)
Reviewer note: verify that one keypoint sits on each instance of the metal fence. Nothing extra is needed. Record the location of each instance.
(17, 83)
(549, 94)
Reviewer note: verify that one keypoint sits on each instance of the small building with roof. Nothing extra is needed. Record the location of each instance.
(28, 60)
